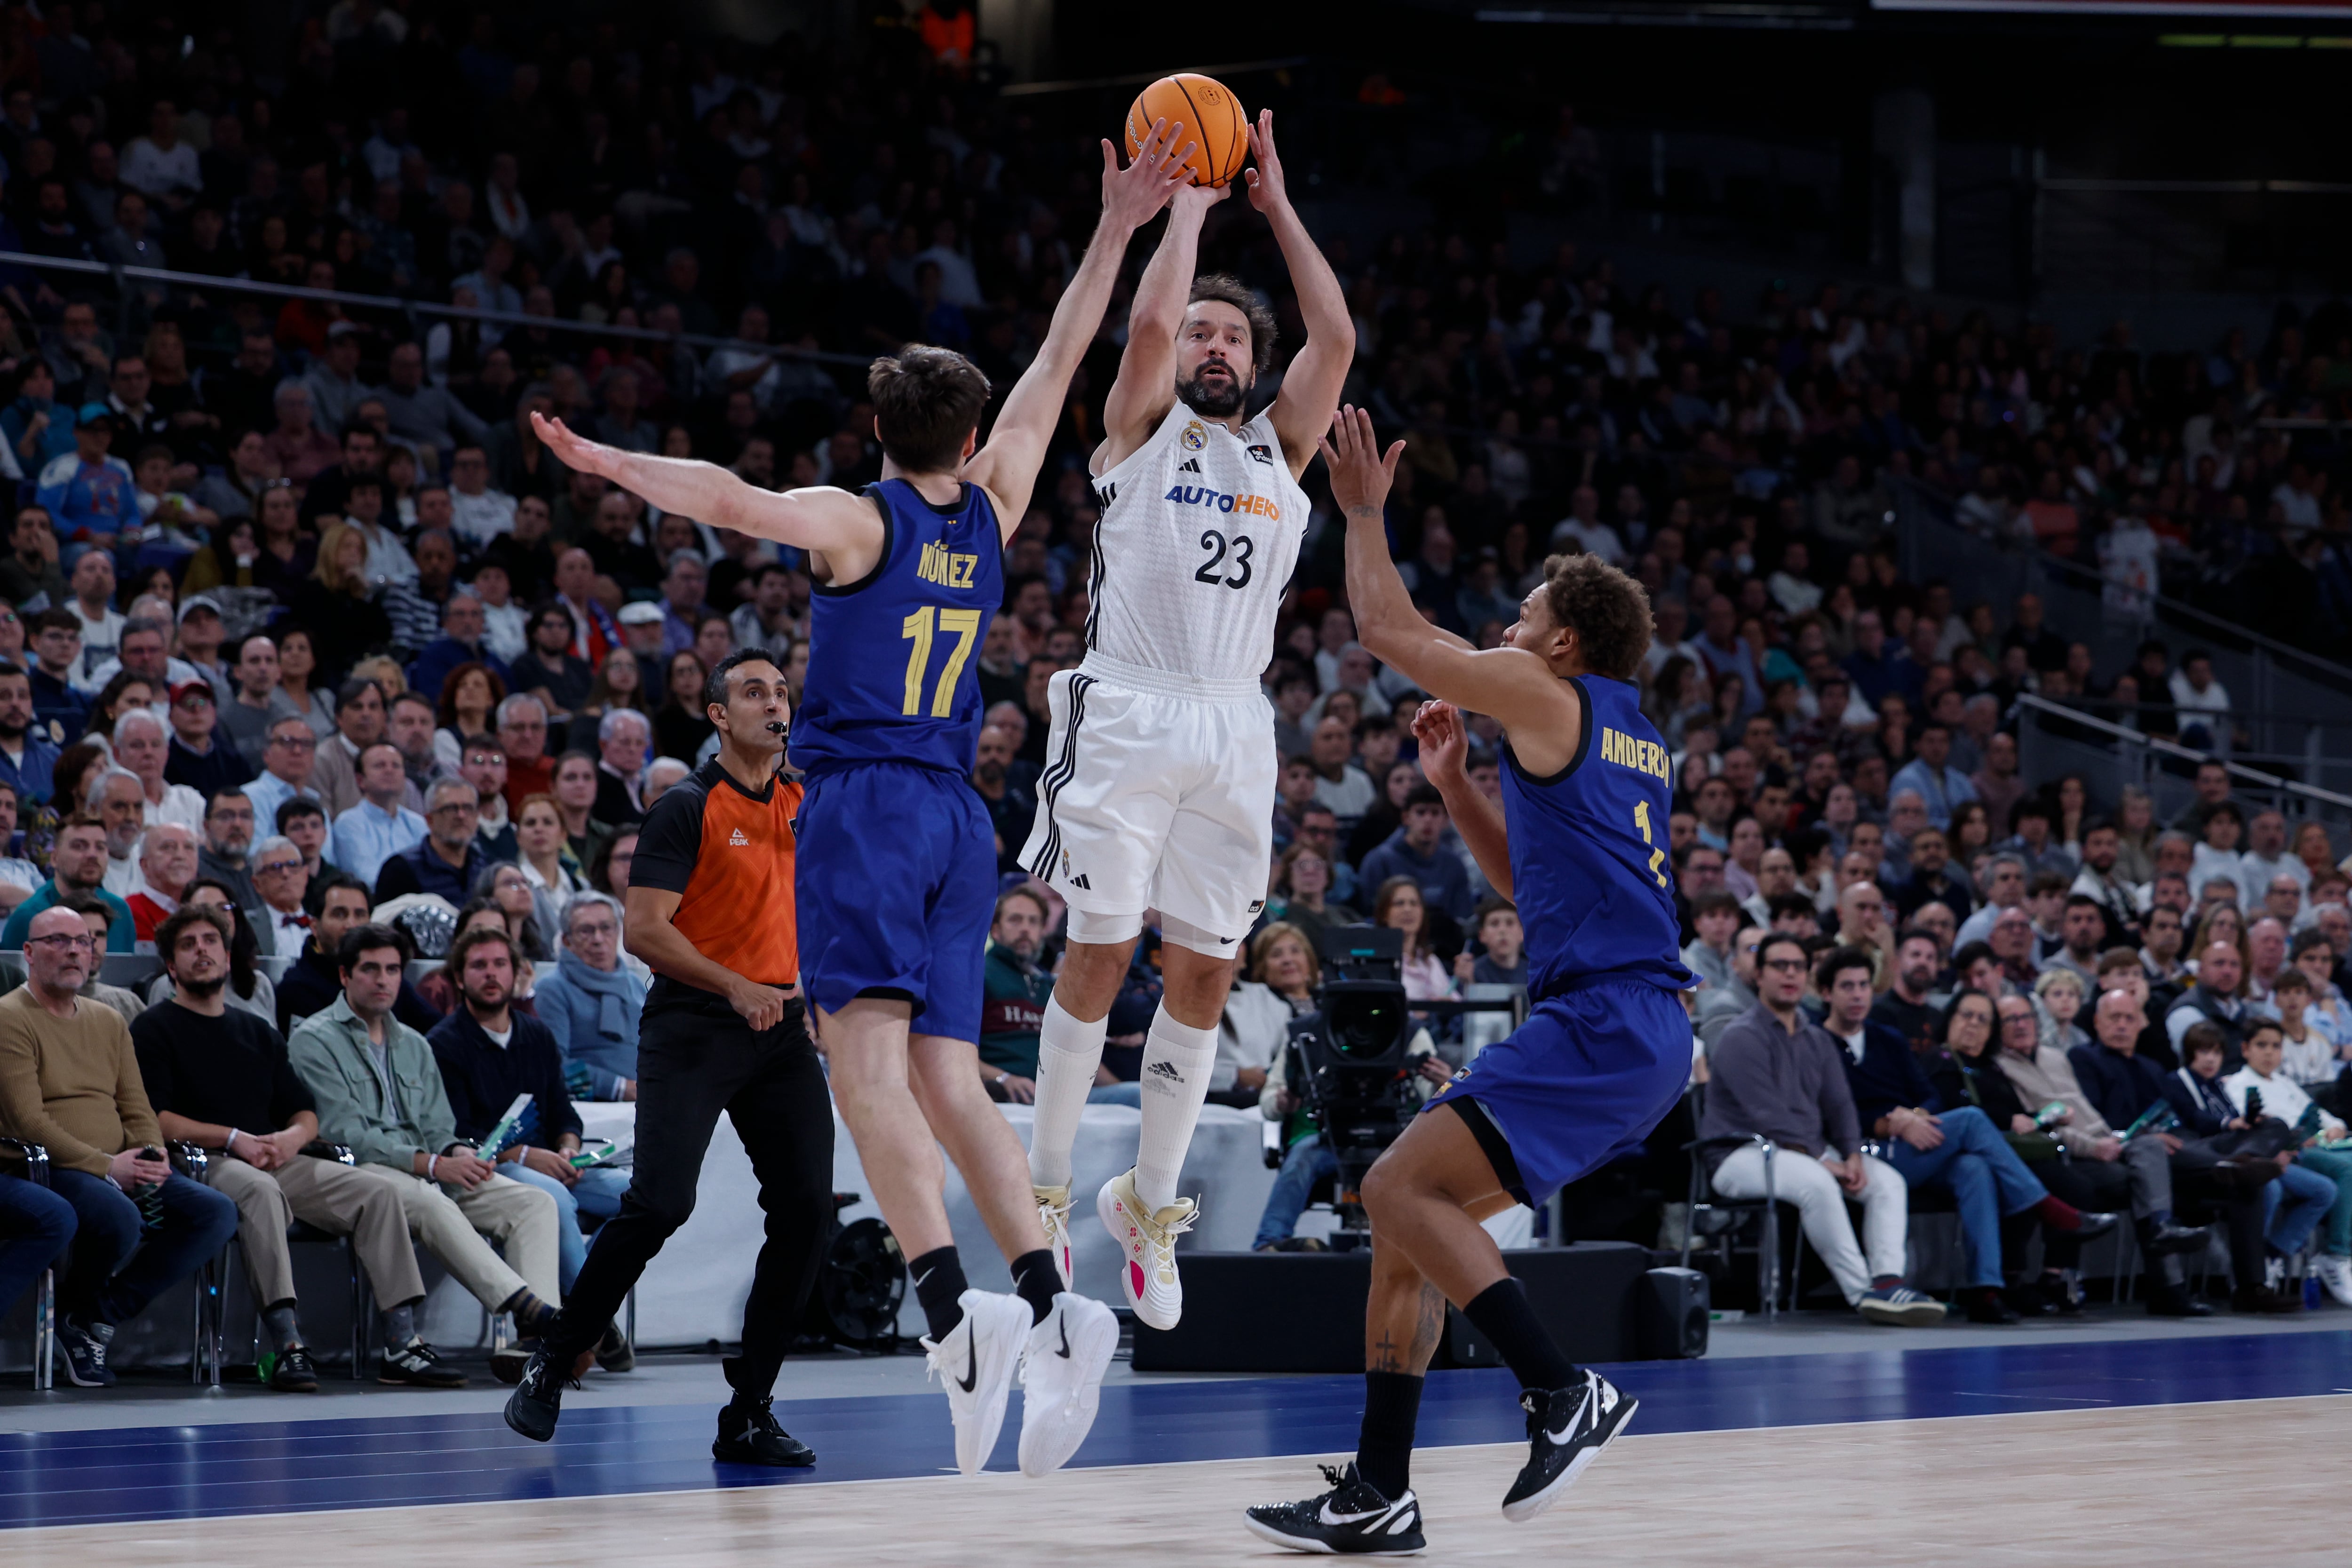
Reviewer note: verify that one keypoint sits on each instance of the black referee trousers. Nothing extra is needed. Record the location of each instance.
(695, 1059)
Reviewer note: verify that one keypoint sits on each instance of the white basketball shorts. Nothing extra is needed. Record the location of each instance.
(1158, 793)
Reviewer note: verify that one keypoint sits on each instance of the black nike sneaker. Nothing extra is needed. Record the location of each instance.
(537, 1403)
(1353, 1517)
(1567, 1429)
(753, 1436)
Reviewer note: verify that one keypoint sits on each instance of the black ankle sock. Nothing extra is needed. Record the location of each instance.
(1384, 1446)
(1036, 1281)
(1501, 1313)
(938, 1281)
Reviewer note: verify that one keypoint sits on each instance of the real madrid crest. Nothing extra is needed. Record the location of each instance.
(1194, 437)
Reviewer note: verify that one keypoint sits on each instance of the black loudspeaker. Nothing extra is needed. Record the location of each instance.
(1673, 1316)
(1586, 1294)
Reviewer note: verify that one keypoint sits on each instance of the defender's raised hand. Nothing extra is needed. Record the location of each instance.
(1360, 474)
(1160, 169)
(1266, 190)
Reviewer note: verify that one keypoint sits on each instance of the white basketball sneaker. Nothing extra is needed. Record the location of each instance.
(976, 1362)
(1148, 1240)
(1054, 1214)
(1062, 1369)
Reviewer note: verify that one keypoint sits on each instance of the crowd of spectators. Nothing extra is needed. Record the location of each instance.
(304, 624)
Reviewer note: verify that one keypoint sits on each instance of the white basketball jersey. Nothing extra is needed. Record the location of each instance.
(1200, 530)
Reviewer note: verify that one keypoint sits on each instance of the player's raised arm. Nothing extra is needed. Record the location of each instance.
(819, 517)
(1310, 387)
(1445, 758)
(1007, 466)
(1146, 385)
(1514, 687)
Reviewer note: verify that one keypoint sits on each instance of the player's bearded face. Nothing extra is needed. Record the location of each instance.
(1215, 388)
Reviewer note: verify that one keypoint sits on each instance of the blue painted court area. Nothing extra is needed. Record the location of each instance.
(188, 1472)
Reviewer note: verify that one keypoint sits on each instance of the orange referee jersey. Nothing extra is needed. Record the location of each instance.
(727, 852)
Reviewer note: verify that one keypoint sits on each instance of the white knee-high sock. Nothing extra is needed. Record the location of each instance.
(1176, 1061)
(1069, 1052)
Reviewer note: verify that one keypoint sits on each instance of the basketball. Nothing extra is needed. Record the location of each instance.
(1213, 119)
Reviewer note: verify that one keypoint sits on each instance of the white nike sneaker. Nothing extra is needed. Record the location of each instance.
(1054, 1214)
(2335, 1274)
(1062, 1369)
(1148, 1240)
(976, 1362)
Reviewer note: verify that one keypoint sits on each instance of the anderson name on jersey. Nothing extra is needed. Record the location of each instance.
(1200, 532)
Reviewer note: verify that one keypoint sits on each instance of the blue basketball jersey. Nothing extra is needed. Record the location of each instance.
(894, 671)
(1589, 860)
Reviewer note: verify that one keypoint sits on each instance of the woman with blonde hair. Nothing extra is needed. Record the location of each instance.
(1280, 986)
(339, 607)
(2058, 1000)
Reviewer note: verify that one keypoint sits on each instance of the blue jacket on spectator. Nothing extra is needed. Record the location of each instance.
(93, 498)
(58, 708)
(2120, 1087)
(482, 1078)
(592, 1014)
(422, 870)
(1888, 1075)
(442, 655)
(30, 777)
(2203, 1105)
(1444, 881)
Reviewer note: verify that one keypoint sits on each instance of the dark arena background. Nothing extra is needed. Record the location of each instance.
(1966, 383)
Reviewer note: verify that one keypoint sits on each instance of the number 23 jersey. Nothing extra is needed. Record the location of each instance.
(1200, 530)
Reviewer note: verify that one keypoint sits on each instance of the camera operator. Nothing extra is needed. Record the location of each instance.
(1308, 1158)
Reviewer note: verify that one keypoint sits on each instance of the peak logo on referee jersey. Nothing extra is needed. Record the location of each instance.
(1222, 501)
(1642, 756)
(948, 568)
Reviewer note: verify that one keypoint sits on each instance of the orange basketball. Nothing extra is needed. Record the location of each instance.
(1213, 121)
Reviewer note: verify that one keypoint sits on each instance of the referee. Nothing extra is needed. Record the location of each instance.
(711, 909)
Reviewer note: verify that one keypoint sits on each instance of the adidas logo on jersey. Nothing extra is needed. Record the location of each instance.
(736, 840)
(1080, 881)
(1189, 466)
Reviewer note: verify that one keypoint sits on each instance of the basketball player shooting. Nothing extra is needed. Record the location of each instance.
(1159, 788)
(1579, 844)
(897, 871)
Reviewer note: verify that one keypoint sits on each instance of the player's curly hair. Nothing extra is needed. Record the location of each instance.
(1608, 611)
(926, 401)
(1231, 290)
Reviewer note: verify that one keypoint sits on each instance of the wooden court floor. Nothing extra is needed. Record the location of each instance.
(2257, 1481)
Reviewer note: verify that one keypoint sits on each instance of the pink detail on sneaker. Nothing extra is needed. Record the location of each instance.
(1135, 1279)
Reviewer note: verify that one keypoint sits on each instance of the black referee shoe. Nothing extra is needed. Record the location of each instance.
(537, 1403)
(750, 1435)
(1353, 1518)
(1567, 1429)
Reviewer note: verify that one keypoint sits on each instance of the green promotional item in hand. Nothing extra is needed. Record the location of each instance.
(508, 1129)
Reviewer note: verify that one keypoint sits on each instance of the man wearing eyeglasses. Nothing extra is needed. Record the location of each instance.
(1776, 1075)
(228, 836)
(285, 762)
(69, 1081)
(279, 881)
(449, 857)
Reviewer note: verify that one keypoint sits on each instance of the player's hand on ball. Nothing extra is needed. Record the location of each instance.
(1266, 190)
(1361, 473)
(1161, 169)
(1444, 744)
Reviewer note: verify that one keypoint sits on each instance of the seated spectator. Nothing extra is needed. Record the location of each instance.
(449, 859)
(28, 757)
(36, 1226)
(1929, 1143)
(249, 988)
(1015, 990)
(1776, 1074)
(2294, 1204)
(489, 1055)
(1502, 941)
(76, 869)
(1417, 850)
(312, 981)
(623, 738)
(1932, 878)
(167, 864)
(1275, 986)
(592, 1003)
(219, 1078)
(1717, 916)
(2261, 1087)
(200, 756)
(1904, 1007)
(1398, 906)
(281, 925)
(140, 745)
(69, 1081)
(2112, 1168)
(1303, 889)
(2124, 1086)
(378, 1091)
(381, 825)
(287, 757)
(2218, 998)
